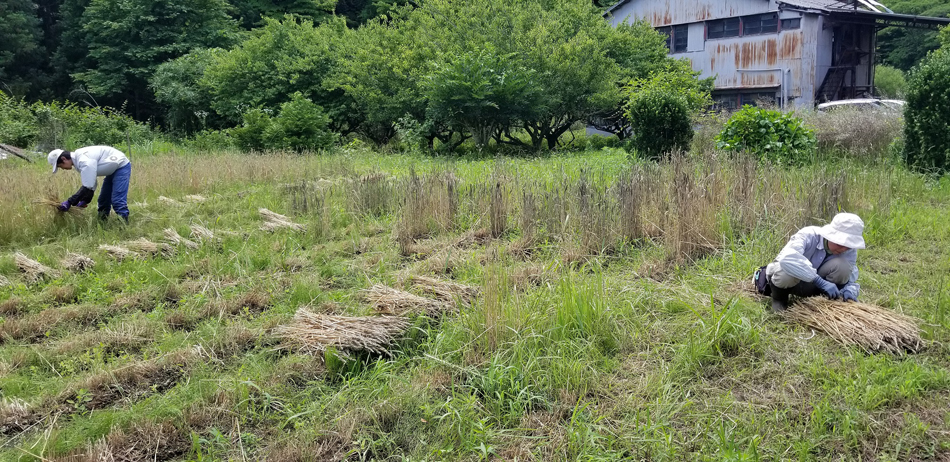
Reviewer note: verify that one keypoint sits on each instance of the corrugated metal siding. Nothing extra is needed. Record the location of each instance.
(667, 12)
(742, 62)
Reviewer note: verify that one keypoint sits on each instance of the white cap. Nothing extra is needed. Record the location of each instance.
(53, 158)
(845, 229)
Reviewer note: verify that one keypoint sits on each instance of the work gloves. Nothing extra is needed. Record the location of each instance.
(82, 204)
(64, 207)
(849, 294)
(830, 289)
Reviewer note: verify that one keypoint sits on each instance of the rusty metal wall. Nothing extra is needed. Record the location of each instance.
(667, 12)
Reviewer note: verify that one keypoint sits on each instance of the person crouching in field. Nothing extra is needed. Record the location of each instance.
(818, 261)
(92, 162)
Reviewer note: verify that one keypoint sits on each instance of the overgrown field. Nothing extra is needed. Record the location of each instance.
(602, 312)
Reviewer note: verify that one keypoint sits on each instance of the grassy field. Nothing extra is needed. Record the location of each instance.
(613, 319)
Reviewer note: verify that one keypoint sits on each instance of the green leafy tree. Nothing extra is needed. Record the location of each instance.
(482, 93)
(186, 103)
(253, 13)
(769, 135)
(301, 126)
(927, 114)
(128, 40)
(902, 47)
(889, 82)
(21, 49)
(280, 59)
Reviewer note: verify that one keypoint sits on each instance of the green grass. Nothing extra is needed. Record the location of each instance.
(586, 347)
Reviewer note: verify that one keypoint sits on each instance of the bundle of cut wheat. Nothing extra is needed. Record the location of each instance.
(312, 333)
(51, 202)
(117, 252)
(274, 221)
(33, 269)
(447, 291)
(201, 233)
(77, 263)
(168, 201)
(851, 323)
(195, 198)
(143, 245)
(387, 300)
(172, 236)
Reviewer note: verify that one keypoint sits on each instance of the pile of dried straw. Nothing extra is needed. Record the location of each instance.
(313, 333)
(168, 201)
(143, 245)
(172, 236)
(852, 323)
(201, 233)
(447, 291)
(387, 300)
(117, 252)
(195, 198)
(274, 221)
(33, 269)
(77, 263)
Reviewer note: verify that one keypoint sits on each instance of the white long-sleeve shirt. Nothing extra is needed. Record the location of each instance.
(95, 161)
(805, 252)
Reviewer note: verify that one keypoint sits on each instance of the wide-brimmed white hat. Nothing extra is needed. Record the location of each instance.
(53, 158)
(845, 229)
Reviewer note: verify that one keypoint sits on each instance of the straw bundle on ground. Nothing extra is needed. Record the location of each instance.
(33, 269)
(201, 233)
(387, 300)
(274, 221)
(168, 201)
(143, 245)
(447, 291)
(852, 323)
(313, 333)
(77, 263)
(172, 236)
(117, 252)
(195, 198)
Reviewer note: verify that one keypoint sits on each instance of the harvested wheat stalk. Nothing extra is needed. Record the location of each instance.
(313, 333)
(77, 263)
(852, 323)
(143, 245)
(387, 300)
(172, 236)
(195, 198)
(117, 252)
(201, 233)
(51, 202)
(447, 291)
(274, 221)
(169, 201)
(33, 269)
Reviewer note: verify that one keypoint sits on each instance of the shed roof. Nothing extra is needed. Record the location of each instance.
(823, 5)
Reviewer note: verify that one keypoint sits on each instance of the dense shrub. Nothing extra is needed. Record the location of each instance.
(769, 135)
(660, 122)
(927, 114)
(300, 126)
(17, 123)
(66, 125)
(889, 82)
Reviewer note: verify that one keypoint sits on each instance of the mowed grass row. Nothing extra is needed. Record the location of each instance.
(613, 321)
